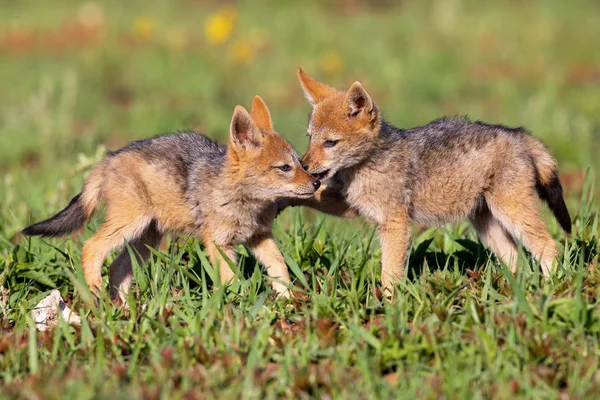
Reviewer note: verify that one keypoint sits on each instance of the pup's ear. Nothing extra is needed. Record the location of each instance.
(314, 91)
(358, 103)
(260, 114)
(243, 131)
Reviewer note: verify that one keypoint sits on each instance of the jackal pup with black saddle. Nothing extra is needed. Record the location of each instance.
(449, 170)
(187, 183)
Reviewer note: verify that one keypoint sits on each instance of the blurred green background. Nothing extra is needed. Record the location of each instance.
(75, 75)
(82, 77)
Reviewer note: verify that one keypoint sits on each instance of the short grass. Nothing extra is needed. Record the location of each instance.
(79, 78)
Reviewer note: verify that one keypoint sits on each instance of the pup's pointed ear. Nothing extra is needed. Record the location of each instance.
(243, 131)
(358, 103)
(260, 114)
(314, 91)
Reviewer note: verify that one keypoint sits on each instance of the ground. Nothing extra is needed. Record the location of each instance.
(80, 78)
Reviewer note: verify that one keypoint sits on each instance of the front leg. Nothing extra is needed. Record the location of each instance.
(327, 200)
(265, 249)
(395, 240)
(218, 261)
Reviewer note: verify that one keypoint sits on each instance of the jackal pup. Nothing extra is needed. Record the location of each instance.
(189, 184)
(446, 171)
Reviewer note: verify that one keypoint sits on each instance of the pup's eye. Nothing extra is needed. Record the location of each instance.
(331, 143)
(285, 168)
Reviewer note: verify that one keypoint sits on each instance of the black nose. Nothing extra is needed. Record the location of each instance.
(317, 184)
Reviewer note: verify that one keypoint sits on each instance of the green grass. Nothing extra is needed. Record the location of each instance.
(461, 326)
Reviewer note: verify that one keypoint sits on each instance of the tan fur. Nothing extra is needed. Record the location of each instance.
(121, 271)
(328, 199)
(315, 91)
(225, 205)
(261, 116)
(93, 187)
(544, 162)
(266, 251)
(496, 237)
(447, 171)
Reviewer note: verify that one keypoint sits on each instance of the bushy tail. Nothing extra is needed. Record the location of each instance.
(79, 210)
(548, 186)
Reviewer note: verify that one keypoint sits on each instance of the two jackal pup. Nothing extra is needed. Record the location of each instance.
(446, 171)
(188, 183)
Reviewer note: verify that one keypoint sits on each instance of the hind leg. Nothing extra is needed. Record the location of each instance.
(120, 226)
(493, 235)
(518, 213)
(121, 272)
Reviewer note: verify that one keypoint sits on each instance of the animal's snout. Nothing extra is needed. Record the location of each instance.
(316, 184)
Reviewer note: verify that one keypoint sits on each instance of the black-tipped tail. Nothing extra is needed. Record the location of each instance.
(552, 193)
(68, 220)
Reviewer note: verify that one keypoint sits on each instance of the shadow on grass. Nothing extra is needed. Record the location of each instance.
(247, 264)
(471, 258)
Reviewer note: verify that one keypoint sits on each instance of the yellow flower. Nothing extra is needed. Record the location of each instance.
(144, 27)
(332, 63)
(219, 26)
(243, 51)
